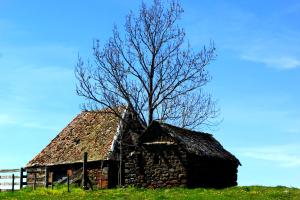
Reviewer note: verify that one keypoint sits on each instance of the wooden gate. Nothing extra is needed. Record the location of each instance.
(12, 179)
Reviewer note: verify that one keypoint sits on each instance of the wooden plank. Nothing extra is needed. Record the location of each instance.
(21, 177)
(37, 184)
(84, 171)
(8, 177)
(8, 183)
(68, 182)
(34, 183)
(46, 177)
(9, 170)
(37, 178)
(36, 174)
(103, 183)
(35, 170)
(13, 183)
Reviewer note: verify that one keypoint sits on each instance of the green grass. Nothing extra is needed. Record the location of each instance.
(251, 192)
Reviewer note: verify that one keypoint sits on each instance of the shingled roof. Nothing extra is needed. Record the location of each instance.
(91, 132)
(199, 143)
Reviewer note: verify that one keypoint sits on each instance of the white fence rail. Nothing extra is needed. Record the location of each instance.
(12, 179)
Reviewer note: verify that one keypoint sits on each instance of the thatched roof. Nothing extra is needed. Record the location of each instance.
(91, 132)
(199, 143)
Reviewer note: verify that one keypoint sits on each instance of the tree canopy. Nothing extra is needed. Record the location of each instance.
(152, 69)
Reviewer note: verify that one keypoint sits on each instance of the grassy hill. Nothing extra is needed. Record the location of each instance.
(252, 192)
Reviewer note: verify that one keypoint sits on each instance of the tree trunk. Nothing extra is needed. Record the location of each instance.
(150, 117)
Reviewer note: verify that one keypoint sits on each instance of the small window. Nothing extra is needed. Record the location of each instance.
(156, 159)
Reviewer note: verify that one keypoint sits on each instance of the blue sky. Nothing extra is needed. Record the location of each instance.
(256, 75)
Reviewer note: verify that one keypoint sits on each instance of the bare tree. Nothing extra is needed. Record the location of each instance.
(152, 69)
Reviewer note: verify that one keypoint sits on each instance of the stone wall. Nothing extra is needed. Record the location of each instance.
(155, 166)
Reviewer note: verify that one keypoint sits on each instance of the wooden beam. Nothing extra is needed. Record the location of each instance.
(68, 181)
(34, 182)
(21, 177)
(9, 170)
(13, 183)
(8, 177)
(84, 171)
(46, 176)
(7, 183)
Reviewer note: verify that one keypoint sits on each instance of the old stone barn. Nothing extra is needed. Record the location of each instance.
(121, 152)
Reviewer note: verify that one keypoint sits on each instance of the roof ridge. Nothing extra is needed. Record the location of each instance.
(185, 129)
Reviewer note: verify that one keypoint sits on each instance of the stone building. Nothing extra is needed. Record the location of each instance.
(167, 156)
(122, 152)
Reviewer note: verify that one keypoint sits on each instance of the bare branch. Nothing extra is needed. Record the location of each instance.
(151, 69)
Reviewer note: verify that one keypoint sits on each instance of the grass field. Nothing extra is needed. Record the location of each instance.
(252, 192)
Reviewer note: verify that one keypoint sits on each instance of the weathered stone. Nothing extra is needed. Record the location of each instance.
(171, 170)
(183, 181)
(181, 176)
(173, 182)
(144, 185)
(129, 165)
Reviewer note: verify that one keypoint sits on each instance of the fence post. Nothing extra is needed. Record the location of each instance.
(21, 177)
(13, 183)
(68, 181)
(84, 173)
(52, 181)
(46, 177)
(34, 181)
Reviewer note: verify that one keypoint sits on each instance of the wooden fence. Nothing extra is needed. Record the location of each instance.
(15, 179)
(12, 179)
(38, 177)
